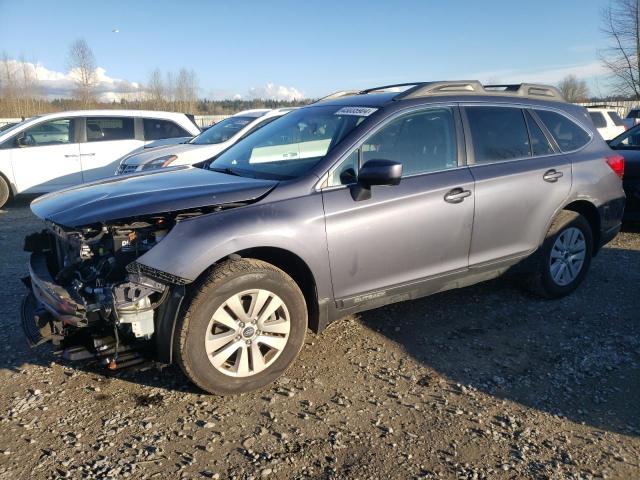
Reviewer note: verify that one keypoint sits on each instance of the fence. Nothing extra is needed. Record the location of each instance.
(620, 106)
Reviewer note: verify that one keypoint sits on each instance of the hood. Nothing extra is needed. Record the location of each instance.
(159, 191)
(187, 153)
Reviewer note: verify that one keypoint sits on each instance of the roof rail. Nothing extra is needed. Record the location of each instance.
(387, 87)
(530, 90)
(338, 94)
(426, 89)
(459, 87)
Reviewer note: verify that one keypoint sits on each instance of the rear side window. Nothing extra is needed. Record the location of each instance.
(498, 133)
(598, 119)
(155, 129)
(616, 119)
(539, 143)
(102, 129)
(567, 134)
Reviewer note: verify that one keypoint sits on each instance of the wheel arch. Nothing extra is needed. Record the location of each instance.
(297, 269)
(589, 211)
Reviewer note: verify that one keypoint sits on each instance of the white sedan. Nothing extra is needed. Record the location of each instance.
(209, 143)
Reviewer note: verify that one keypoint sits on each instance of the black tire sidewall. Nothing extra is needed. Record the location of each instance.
(574, 220)
(193, 353)
(5, 192)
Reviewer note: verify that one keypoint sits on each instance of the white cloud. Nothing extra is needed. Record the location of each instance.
(551, 74)
(270, 91)
(53, 84)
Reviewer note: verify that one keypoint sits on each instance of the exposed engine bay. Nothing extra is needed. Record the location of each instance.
(89, 294)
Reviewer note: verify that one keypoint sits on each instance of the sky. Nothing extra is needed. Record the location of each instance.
(288, 49)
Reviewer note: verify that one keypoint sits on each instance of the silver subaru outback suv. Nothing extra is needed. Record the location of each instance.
(359, 200)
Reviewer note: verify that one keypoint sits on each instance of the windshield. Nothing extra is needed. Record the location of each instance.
(222, 131)
(291, 145)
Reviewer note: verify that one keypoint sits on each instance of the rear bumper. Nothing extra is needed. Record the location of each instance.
(611, 214)
(57, 300)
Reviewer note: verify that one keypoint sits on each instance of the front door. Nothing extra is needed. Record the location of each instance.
(46, 157)
(108, 140)
(405, 234)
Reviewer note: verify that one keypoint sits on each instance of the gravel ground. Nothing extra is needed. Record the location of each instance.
(484, 382)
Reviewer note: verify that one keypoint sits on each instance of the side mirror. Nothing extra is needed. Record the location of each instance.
(380, 172)
(21, 141)
(375, 172)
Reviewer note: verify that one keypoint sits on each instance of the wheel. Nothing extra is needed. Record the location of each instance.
(4, 192)
(242, 327)
(565, 256)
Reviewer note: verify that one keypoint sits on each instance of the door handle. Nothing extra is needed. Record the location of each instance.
(456, 195)
(71, 156)
(87, 154)
(552, 176)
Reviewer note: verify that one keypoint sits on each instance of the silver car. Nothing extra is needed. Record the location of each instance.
(359, 200)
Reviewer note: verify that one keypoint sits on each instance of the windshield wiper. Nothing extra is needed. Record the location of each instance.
(226, 170)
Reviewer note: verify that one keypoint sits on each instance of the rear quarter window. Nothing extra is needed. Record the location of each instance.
(567, 134)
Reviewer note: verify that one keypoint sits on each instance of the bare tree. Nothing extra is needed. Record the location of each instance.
(9, 88)
(621, 24)
(156, 90)
(82, 63)
(574, 90)
(186, 90)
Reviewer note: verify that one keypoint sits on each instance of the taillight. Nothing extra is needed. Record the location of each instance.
(616, 162)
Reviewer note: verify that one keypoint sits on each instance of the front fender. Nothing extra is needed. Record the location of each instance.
(296, 225)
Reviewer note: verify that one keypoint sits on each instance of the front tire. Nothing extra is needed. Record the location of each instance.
(243, 326)
(5, 192)
(564, 259)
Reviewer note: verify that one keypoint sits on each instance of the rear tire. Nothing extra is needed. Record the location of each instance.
(243, 326)
(563, 261)
(5, 192)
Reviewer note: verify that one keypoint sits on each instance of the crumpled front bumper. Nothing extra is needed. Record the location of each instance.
(55, 299)
(48, 307)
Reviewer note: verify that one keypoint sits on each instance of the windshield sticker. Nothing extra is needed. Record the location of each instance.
(357, 111)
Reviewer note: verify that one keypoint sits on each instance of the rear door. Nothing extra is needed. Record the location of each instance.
(520, 181)
(405, 234)
(46, 156)
(107, 140)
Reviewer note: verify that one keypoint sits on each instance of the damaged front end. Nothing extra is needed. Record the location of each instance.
(88, 295)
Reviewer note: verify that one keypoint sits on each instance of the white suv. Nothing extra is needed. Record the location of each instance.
(209, 143)
(58, 150)
(607, 121)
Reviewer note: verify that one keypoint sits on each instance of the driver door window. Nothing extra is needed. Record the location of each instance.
(55, 132)
(423, 142)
